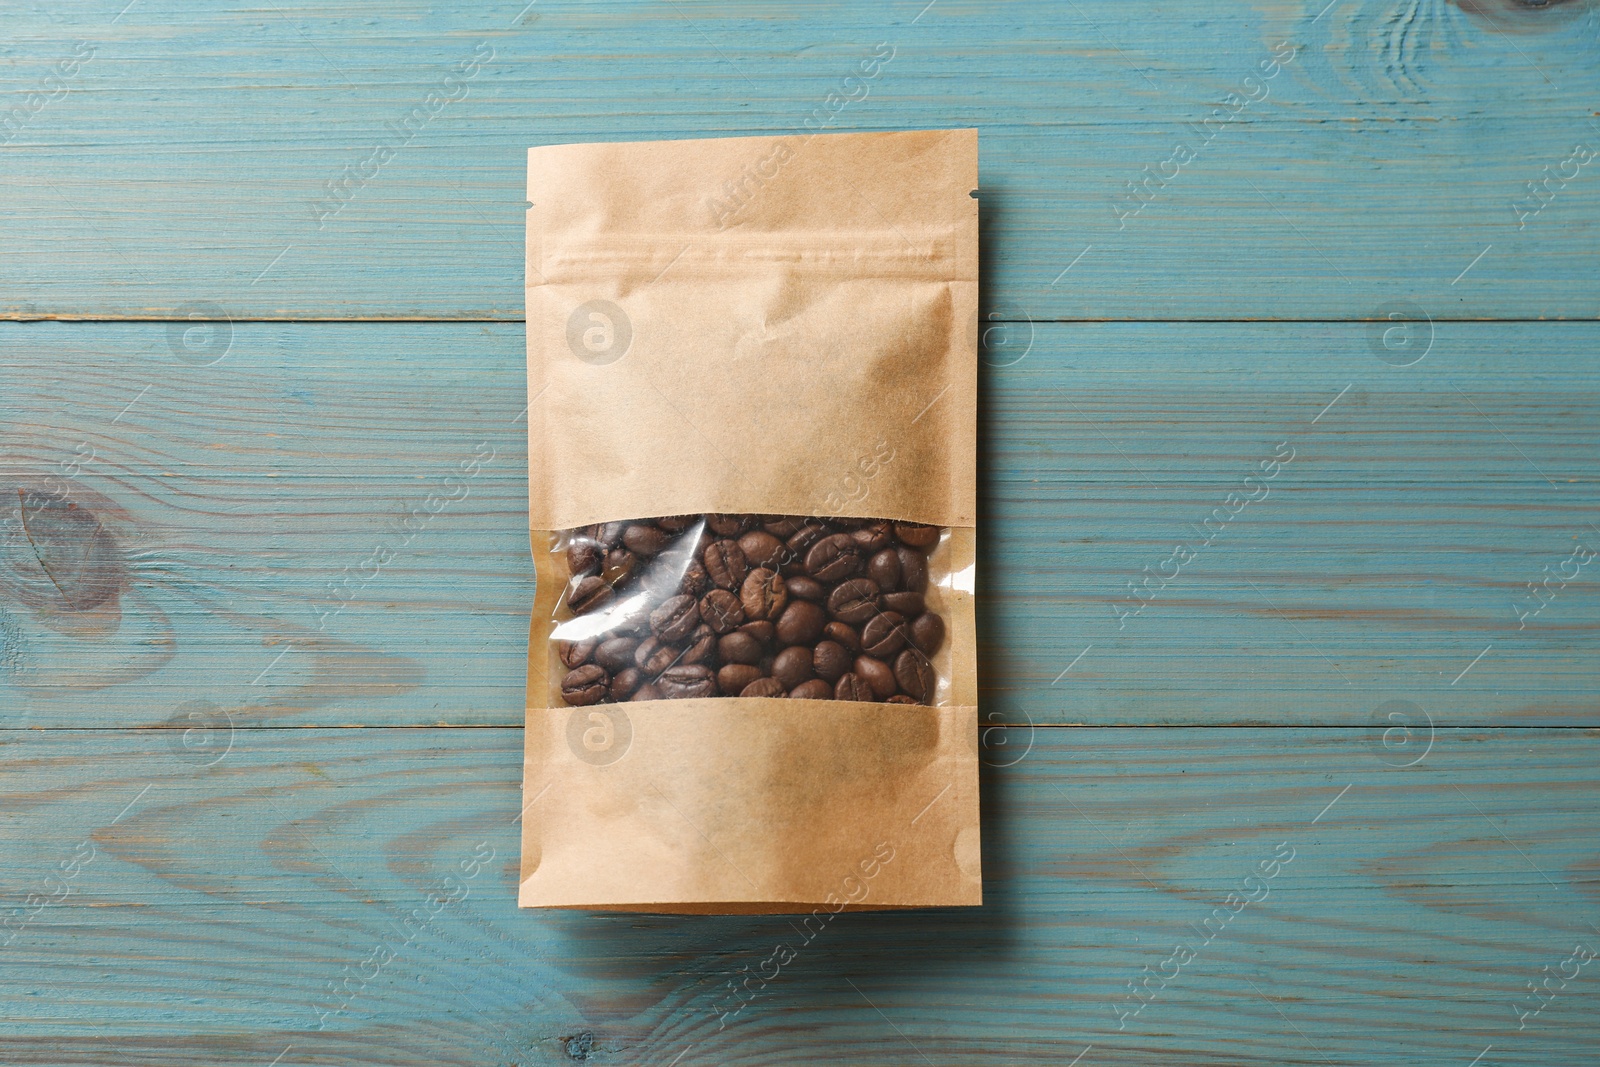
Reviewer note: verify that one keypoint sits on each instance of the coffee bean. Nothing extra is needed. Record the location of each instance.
(677, 523)
(683, 683)
(852, 686)
(761, 630)
(588, 593)
(728, 525)
(830, 659)
(901, 698)
(872, 538)
(645, 540)
(815, 689)
(619, 565)
(914, 673)
(913, 569)
(653, 657)
(647, 692)
(832, 558)
(908, 604)
(586, 685)
(584, 556)
(721, 610)
(733, 678)
(761, 549)
(725, 563)
(801, 623)
(615, 653)
(800, 542)
(763, 687)
(702, 645)
(844, 635)
(739, 647)
(608, 534)
(927, 632)
(576, 653)
(695, 580)
(803, 588)
(624, 682)
(878, 674)
(884, 568)
(884, 635)
(675, 618)
(916, 535)
(792, 666)
(781, 526)
(763, 594)
(854, 600)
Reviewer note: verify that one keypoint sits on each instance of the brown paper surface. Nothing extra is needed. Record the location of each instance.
(746, 358)
(759, 355)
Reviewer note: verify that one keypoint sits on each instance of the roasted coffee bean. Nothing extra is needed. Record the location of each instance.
(695, 580)
(913, 569)
(781, 526)
(833, 558)
(725, 563)
(844, 635)
(584, 556)
(801, 623)
(908, 604)
(739, 647)
(721, 610)
(761, 630)
(854, 600)
(620, 565)
(588, 593)
(927, 632)
(586, 685)
(683, 683)
(804, 588)
(677, 523)
(647, 692)
(901, 698)
(914, 673)
(800, 542)
(916, 535)
(576, 653)
(815, 689)
(761, 549)
(884, 568)
(763, 687)
(830, 659)
(608, 533)
(702, 646)
(792, 666)
(763, 594)
(615, 653)
(871, 538)
(878, 674)
(852, 686)
(728, 525)
(653, 657)
(884, 634)
(645, 540)
(675, 618)
(733, 678)
(624, 682)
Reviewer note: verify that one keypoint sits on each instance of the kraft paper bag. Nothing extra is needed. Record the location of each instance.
(752, 325)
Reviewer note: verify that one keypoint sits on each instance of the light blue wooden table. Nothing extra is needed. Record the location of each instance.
(1322, 788)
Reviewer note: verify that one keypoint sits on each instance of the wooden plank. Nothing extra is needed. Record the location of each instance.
(184, 165)
(1388, 560)
(200, 914)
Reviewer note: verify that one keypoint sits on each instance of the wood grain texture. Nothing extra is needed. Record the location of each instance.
(247, 500)
(212, 914)
(180, 168)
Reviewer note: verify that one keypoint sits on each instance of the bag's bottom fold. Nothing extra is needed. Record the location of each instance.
(750, 806)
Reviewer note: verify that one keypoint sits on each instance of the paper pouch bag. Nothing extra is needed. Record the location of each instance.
(758, 327)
